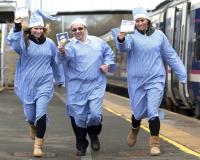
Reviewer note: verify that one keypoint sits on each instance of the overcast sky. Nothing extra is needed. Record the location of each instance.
(70, 5)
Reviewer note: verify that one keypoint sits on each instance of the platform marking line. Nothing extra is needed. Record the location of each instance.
(180, 146)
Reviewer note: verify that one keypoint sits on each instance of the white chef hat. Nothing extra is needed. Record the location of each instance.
(78, 21)
(37, 19)
(139, 12)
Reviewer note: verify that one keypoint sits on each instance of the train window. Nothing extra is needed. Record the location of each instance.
(155, 20)
(177, 29)
(158, 21)
(168, 25)
(196, 17)
(197, 43)
(98, 24)
(161, 25)
(0, 34)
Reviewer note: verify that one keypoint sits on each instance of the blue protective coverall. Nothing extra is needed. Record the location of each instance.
(34, 75)
(146, 71)
(85, 82)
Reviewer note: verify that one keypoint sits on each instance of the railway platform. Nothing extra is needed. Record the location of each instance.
(180, 138)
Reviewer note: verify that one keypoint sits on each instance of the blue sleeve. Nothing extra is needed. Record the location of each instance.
(126, 45)
(15, 41)
(56, 72)
(69, 54)
(173, 60)
(109, 57)
(61, 57)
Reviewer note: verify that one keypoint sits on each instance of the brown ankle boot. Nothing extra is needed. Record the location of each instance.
(132, 136)
(37, 152)
(32, 131)
(154, 146)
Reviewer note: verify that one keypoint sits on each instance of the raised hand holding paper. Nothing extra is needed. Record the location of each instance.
(21, 16)
(21, 12)
(62, 39)
(127, 26)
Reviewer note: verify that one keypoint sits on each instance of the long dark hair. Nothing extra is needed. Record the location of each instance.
(149, 24)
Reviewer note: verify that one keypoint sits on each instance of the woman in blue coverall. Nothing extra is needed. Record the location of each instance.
(34, 75)
(147, 49)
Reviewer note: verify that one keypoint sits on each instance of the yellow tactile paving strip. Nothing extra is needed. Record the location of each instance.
(1, 89)
(181, 139)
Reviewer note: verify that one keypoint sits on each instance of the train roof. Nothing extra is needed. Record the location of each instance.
(166, 4)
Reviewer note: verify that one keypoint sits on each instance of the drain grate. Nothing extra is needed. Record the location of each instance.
(30, 154)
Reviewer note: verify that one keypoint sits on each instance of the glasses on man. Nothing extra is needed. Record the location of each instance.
(77, 29)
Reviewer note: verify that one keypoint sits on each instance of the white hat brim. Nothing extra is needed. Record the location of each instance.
(140, 16)
(36, 24)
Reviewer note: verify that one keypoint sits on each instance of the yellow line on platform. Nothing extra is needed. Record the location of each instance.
(1, 89)
(180, 146)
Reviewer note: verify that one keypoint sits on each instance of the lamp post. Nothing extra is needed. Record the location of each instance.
(3, 53)
(41, 5)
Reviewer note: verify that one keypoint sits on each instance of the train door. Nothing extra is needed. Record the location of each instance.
(170, 33)
(183, 50)
(176, 20)
(167, 26)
